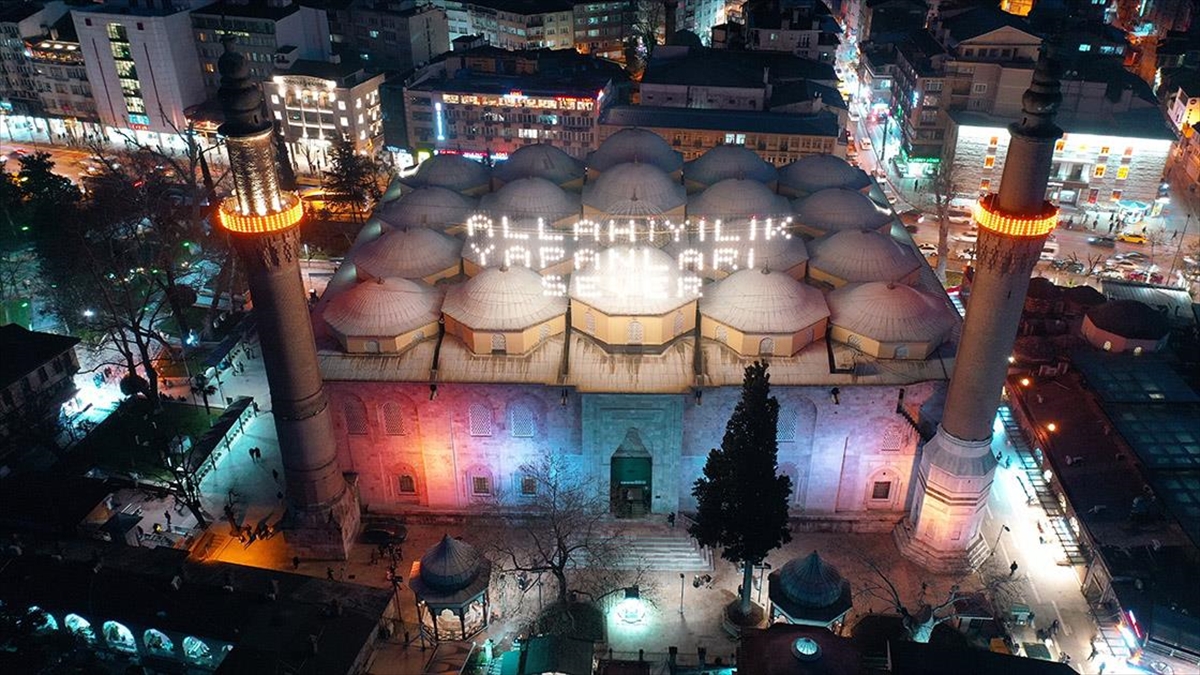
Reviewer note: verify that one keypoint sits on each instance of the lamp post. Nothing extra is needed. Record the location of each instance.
(1000, 533)
(681, 593)
(1179, 246)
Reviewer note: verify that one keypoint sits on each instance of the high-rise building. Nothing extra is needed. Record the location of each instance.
(315, 103)
(19, 21)
(395, 35)
(262, 221)
(954, 477)
(61, 80)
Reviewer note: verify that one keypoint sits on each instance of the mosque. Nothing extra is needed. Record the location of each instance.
(603, 312)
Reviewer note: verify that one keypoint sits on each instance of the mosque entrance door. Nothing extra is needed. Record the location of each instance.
(630, 477)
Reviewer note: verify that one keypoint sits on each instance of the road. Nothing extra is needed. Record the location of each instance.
(68, 162)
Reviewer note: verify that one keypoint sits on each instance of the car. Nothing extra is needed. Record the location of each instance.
(927, 250)
(382, 535)
(970, 236)
(911, 217)
(1131, 255)
(1105, 242)
(966, 254)
(865, 142)
(960, 215)
(1140, 275)
(1132, 237)
(1121, 264)
(1049, 251)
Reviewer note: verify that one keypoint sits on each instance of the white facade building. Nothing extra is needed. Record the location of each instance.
(316, 103)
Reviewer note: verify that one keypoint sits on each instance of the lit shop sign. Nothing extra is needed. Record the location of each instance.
(698, 246)
(515, 99)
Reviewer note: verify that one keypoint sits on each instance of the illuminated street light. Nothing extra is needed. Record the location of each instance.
(631, 610)
(1052, 427)
(1024, 381)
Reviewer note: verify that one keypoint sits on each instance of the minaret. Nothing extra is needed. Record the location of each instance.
(262, 222)
(956, 468)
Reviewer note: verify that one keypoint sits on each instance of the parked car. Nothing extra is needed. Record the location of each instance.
(928, 250)
(966, 254)
(1132, 237)
(960, 215)
(1105, 242)
(970, 236)
(865, 142)
(1049, 251)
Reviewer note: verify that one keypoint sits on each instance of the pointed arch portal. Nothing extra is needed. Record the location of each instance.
(630, 477)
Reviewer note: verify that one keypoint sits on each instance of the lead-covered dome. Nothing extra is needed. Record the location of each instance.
(834, 209)
(814, 173)
(618, 282)
(890, 320)
(635, 145)
(502, 299)
(728, 161)
(428, 206)
(540, 160)
(809, 591)
(415, 253)
(852, 256)
(453, 172)
(1126, 325)
(450, 566)
(530, 199)
(634, 190)
(383, 315)
(738, 199)
(762, 301)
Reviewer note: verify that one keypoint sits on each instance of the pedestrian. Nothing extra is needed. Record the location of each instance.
(1110, 227)
(255, 405)
(329, 573)
(251, 454)
(275, 474)
(1174, 235)
(168, 515)
(1095, 652)
(1054, 625)
(1103, 665)
(671, 519)
(295, 562)
(1012, 569)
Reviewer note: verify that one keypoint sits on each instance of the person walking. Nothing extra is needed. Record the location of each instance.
(295, 562)
(1012, 569)
(329, 573)
(275, 474)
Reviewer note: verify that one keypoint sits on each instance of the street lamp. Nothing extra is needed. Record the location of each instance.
(681, 593)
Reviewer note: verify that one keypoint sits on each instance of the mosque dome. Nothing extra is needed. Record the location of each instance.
(502, 299)
(728, 161)
(453, 172)
(540, 160)
(617, 282)
(428, 206)
(530, 199)
(761, 301)
(834, 209)
(812, 582)
(383, 308)
(814, 173)
(450, 566)
(738, 198)
(394, 189)
(853, 256)
(781, 253)
(413, 253)
(887, 312)
(1130, 319)
(635, 145)
(634, 190)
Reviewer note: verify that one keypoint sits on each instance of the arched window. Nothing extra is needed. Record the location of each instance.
(901, 352)
(589, 322)
(406, 484)
(766, 347)
(371, 346)
(722, 335)
(893, 438)
(393, 419)
(636, 332)
(196, 650)
(77, 625)
(854, 341)
(677, 325)
(157, 642)
(785, 428)
(499, 343)
(118, 637)
(418, 336)
(479, 419)
(42, 621)
(355, 412)
(544, 332)
(522, 422)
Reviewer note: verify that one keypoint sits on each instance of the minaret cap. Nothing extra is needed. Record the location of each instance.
(1041, 100)
(241, 100)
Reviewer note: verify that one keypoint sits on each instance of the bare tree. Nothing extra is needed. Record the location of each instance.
(942, 190)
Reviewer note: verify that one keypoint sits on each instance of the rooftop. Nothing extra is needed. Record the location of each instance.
(25, 350)
(722, 68)
(249, 10)
(1144, 123)
(982, 20)
(821, 124)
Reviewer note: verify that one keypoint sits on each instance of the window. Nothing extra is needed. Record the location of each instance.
(785, 427)
(766, 347)
(528, 486)
(499, 343)
(985, 184)
(589, 322)
(521, 421)
(1085, 48)
(893, 438)
(393, 419)
(1059, 145)
(993, 141)
(722, 334)
(1129, 151)
(42, 376)
(481, 485)
(881, 489)
(677, 324)
(356, 416)
(1098, 172)
(1116, 195)
(479, 419)
(406, 485)
(636, 332)
(989, 161)
(1104, 151)
(1122, 172)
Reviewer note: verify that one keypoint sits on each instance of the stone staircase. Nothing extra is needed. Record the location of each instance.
(663, 549)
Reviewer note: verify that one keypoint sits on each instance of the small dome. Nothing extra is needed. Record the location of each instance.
(450, 566)
(728, 161)
(617, 282)
(759, 301)
(501, 299)
(818, 172)
(635, 190)
(635, 145)
(428, 206)
(530, 199)
(453, 172)
(540, 160)
(891, 313)
(1041, 288)
(738, 198)
(862, 255)
(779, 253)
(835, 209)
(1083, 295)
(383, 308)
(812, 582)
(412, 254)
(1130, 319)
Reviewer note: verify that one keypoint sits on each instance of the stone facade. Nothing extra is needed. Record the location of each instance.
(464, 449)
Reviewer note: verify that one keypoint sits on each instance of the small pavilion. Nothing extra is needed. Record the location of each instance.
(451, 577)
(809, 592)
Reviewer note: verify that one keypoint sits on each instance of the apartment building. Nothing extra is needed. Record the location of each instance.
(19, 22)
(35, 378)
(487, 102)
(60, 78)
(268, 33)
(318, 102)
(805, 28)
(395, 35)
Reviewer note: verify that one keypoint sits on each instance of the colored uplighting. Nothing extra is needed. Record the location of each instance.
(990, 218)
(234, 221)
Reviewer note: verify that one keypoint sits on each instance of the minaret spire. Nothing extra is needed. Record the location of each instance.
(957, 466)
(262, 221)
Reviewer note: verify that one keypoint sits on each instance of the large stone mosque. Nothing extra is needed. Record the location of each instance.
(604, 312)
